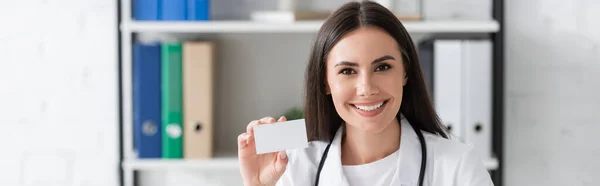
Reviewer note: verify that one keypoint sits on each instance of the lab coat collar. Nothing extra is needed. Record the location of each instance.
(408, 164)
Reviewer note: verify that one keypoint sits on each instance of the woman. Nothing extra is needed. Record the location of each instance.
(365, 100)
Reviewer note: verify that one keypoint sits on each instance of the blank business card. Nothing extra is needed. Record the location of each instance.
(280, 136)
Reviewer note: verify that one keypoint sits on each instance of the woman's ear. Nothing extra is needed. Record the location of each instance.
(405, 80)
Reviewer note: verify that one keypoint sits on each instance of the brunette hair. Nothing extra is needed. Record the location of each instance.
(321, 118)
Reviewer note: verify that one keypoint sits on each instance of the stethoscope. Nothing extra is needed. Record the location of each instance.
(423, 158)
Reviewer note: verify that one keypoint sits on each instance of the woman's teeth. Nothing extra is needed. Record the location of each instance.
(369, 108)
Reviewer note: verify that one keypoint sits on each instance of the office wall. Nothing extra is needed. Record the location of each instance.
(58, 93)
(552, 88)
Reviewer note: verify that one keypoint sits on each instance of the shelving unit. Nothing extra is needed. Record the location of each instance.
(299, 27)
(216, 163)
(128, 28)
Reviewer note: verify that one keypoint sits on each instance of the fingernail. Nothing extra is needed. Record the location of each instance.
(283, 155)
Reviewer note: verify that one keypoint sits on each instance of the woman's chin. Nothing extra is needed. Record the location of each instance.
(369, 125)
(372, 124)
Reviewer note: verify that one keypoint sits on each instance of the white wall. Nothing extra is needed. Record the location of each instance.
(552, 88)
(58, 93)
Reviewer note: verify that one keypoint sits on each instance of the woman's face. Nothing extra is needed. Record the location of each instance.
(365, 77)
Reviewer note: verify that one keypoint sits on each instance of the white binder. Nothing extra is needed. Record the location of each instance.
(462, 88)
(447, 84)
(477, 105)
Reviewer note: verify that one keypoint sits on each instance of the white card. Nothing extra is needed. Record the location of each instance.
(280, 136)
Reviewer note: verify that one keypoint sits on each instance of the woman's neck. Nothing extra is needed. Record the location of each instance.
(359, 147)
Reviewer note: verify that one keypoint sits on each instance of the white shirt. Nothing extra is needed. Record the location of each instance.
(449, 163)
(380, 172)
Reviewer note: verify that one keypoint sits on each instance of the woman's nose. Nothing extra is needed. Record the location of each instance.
(366, 86)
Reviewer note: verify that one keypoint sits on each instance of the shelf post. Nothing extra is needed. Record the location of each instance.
(498, 92)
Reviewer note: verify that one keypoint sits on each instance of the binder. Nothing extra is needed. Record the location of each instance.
(461, 74)
(173, 10)
(198, 10)
(145, 9)
(478, 94)
(172, 102)
(198, 96)
(447, 84)
(146, 100)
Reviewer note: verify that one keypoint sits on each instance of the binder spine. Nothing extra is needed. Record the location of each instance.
(173, 10)
(198, 96)
(478, 94)
(145, 9)
(198, 10)
(447, 84)
(146, 100)
(172, 100)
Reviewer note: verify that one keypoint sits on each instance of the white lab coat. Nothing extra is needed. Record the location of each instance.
(449, 163)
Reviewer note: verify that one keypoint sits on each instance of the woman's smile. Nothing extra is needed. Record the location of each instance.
(369, 109)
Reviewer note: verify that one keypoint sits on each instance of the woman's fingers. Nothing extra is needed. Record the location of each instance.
(247, 136)
(250, 127)
(267, 120)
(281, 162)
(243, 140)
(282, 119)
(252, 124)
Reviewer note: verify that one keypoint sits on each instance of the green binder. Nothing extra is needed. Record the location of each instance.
(172, 103)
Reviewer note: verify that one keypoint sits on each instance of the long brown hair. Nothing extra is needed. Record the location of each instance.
(321, 117)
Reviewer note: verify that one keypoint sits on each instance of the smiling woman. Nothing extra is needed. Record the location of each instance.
(368, 114)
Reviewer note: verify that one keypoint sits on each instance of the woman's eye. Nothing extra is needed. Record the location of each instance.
(347, 71)
(382, 67)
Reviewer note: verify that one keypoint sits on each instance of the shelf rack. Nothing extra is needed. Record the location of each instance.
(127, 27)
(298, 27)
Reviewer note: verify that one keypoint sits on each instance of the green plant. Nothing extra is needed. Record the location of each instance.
(294, 113)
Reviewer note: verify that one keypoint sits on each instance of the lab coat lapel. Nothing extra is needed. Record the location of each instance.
(332, 173)
(409, 159)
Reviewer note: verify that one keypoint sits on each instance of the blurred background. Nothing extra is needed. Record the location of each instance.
(82, 104)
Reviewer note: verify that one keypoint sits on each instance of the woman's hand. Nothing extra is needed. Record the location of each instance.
(259, 169)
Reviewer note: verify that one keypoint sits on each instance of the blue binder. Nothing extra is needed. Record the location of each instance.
(199, 10)
(173, 10)
(145, 10)
(147, 100)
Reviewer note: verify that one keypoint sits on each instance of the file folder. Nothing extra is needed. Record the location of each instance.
(146, 100)
(145, 10)
(198, 10)
(198, 96)
(447, 84)
(172, 102)
(478, 94)
(173, 10)
(460, 72)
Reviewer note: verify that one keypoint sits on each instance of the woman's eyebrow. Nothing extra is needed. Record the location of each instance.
(383, 58)
(346, 63)
(353, 64)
